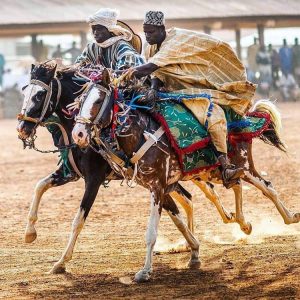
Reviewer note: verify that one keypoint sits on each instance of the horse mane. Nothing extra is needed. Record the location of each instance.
(66, 72)
(44, 70)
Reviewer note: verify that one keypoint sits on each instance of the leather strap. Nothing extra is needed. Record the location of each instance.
(147, 145)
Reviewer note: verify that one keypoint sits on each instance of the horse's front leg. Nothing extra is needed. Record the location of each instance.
(55, 179)
(210, 193)
(92, 184)
(246, 227)
(151, 235)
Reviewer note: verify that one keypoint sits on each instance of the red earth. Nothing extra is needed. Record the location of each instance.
(111, 247)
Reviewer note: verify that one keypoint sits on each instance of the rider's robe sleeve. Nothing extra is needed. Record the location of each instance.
(199, 63)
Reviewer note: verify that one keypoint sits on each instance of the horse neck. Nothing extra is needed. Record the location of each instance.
(68, 95)
(130, 140)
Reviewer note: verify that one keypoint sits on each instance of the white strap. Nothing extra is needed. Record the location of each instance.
(147, 145)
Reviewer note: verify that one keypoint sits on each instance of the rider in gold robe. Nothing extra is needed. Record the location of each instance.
(191, 62)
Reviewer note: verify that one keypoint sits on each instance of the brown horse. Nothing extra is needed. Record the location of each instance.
(46, 94)
(158, 169)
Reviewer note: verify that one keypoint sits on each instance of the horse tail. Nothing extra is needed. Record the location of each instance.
(272, 134)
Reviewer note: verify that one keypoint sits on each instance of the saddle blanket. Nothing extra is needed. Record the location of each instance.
(191, 141)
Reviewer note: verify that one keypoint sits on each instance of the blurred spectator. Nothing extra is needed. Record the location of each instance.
(263, 60)
(286, 58)
(296, 60)
(74, 52)
(2, 64)
(275, 64)
(42, 52)
(288, 87)
(57, 53)
(251, 56)
(9, 80)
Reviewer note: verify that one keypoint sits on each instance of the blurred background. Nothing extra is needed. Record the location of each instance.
(264, 35)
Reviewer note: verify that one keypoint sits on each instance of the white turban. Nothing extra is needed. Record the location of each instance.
(108, 18)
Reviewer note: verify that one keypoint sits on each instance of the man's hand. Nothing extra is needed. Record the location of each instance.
(151, 95)
(149, 99)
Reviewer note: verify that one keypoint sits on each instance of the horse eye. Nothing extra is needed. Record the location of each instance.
(98, 101)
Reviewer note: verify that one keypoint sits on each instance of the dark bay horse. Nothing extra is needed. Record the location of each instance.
(45, 95)
(158, 167)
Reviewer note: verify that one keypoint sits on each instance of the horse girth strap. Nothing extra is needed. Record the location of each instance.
(153, 138)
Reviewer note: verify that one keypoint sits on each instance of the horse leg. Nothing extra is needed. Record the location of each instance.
(93, 180)
(246, 227)
(270, 192)
(55, 179)
(184, 198)
(174, 214)
(208, 189)
(252, 168)
(181, 196)
(151, 235)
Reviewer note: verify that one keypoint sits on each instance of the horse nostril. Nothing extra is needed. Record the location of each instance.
(80, 134)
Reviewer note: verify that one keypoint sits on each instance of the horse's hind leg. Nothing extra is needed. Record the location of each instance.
(52, 180)
(184, 198)
(271, 193)
(208, 189)
(174, 214)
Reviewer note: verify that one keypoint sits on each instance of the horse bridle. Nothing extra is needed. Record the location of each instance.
(48, 88)
(97, 121)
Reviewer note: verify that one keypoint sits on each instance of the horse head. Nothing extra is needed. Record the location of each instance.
(95, 109)
(38, 103)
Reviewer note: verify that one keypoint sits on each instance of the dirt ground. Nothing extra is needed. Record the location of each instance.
(111, 247)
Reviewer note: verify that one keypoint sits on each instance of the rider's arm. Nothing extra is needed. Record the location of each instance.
(156, 83)
(144, 70)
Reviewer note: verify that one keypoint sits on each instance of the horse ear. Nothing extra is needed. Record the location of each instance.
(32, 67)
(53, 70)
(106, 77)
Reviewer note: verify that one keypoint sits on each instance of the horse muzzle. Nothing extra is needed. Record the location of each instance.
(24, 132)
(80, 135)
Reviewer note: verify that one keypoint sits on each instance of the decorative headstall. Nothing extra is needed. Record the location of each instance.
(48, 88)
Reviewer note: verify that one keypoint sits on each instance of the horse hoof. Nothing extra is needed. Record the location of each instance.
(194, 264)
(142, 276)
(30, 237)
(57, 270)
(296, 217)
(247, 229)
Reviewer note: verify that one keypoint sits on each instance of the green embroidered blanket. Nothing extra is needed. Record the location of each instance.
(191, 140)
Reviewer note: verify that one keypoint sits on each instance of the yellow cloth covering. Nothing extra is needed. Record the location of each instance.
(200, 63)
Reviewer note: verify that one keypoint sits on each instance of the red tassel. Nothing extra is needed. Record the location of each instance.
(115, 111)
